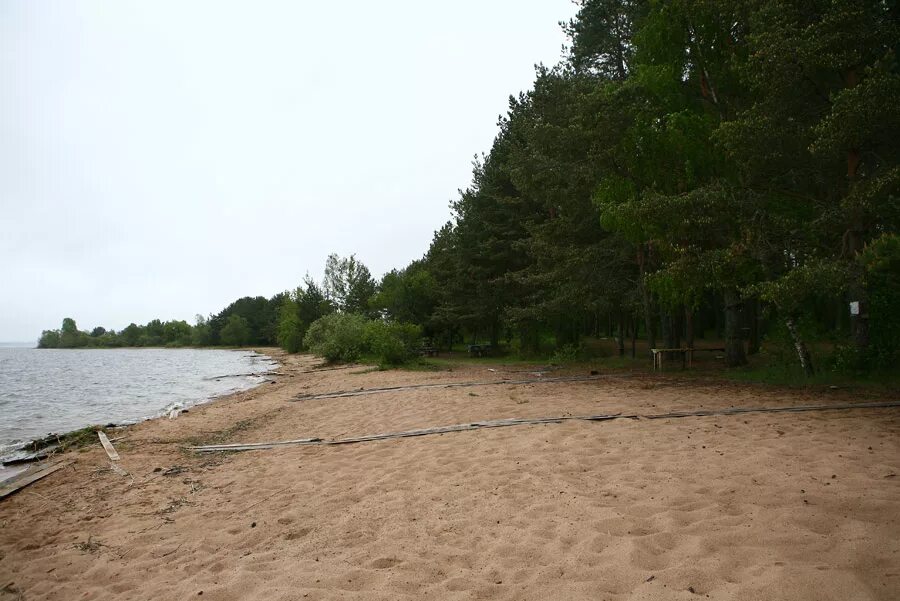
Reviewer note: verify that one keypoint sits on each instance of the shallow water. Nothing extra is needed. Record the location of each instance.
(45, 391)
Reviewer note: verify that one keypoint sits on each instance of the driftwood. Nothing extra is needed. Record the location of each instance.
(496, 423)
(29, 476)
(110, 450)
(499, 423)
(29, 459)
(795, 409)
(364, 391)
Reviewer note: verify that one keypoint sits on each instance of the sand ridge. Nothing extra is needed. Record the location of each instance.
(761, 506)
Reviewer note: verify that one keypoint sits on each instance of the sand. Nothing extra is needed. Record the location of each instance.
(758, 506)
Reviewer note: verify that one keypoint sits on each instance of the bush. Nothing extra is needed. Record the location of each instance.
(393, 343)
(568, 353)
(337, 337)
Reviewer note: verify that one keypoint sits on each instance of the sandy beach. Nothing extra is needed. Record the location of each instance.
(801, 506)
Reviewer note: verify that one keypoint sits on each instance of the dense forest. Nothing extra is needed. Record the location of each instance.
(690, 168)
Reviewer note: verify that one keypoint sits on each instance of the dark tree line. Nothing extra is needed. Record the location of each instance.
(691, 166)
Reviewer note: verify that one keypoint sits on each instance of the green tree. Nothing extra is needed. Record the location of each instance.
(236, 331)
(49, 339)
(348, 284)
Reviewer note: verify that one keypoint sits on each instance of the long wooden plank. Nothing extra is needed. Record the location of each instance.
(365, 391)
(496, 423)
(515, 421)
(794, 409)
(110, 450)
(255, 445)
(29, 476)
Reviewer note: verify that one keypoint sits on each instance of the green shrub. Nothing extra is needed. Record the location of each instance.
(393, 343)
(881, 261)
(568, 353)
(337, 337)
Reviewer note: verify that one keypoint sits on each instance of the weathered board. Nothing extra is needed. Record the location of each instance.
(496, 423)
(110, 450)
(514, 421)
(29, 476)
(364, 391)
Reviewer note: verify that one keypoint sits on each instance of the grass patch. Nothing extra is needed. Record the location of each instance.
(793, 377)
(63, 442)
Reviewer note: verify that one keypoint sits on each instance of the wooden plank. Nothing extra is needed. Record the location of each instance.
(110, 450)
(115, 467)
(29, 476)
(497, 423)
(254, 445)
(365, 391)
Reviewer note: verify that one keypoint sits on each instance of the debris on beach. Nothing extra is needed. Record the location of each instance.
(107, 446)
(499, 423)
(29, 476)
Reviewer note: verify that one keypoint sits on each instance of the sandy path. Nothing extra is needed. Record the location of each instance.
(762, 506)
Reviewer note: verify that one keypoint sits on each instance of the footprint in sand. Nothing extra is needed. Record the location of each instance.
(385, 562)
(299, 533)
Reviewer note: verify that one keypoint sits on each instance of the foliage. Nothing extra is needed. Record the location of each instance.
(348, 284)
(338, 337)
(393, 343)
(881, 261)
(690, 166)
(236, 331)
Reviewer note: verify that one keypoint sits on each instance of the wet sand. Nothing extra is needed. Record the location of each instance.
(757, 506)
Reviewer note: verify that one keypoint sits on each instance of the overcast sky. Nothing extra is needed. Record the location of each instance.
(162, 159)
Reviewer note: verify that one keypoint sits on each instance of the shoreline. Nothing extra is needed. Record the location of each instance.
(627, 508)
(49, 444)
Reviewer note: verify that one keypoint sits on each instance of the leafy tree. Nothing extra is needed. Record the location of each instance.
(200, 332)
(49, 339)
(236, 331)
(407, 295)
(338, 337)
(70, 336)
(131, 335)
(348, 284)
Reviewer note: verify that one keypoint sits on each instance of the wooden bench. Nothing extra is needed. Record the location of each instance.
(687, 355)
(428, 351)
(479, 350)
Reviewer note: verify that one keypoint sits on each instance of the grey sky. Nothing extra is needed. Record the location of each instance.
(161, 159)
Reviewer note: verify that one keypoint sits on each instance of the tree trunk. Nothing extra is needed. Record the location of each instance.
(734, 345)
(688, 327)
(718, 312)
(645, 301)
(667, 326)
(634, 333)
(495, 334)
(753, 324)
(621, 335)
(800, 347)
(859, 323)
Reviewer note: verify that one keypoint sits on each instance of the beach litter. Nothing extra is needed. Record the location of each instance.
(107, 446)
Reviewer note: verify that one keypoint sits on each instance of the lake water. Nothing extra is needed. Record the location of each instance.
(51, 390)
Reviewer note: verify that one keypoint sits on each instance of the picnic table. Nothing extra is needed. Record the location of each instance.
(479, 350)
(428, 351)
(687, 355)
